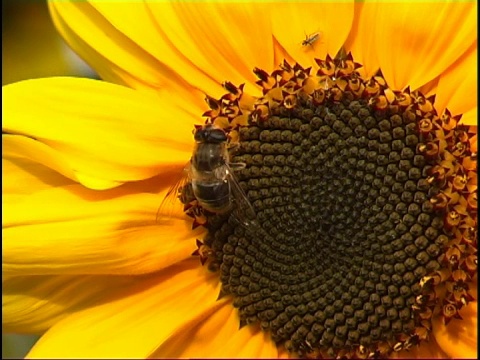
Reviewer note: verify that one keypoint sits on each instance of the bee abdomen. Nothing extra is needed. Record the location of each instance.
(213, 196)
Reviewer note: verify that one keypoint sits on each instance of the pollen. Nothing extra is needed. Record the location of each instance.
(366, 201)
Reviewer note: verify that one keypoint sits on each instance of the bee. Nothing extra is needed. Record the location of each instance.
(210, 176)
(310, 39)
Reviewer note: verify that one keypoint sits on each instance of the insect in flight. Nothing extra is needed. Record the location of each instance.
(210, 174)
(311, 39)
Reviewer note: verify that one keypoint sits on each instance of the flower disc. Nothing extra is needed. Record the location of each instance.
(345, 179)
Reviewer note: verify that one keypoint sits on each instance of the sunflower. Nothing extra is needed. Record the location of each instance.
(357, 132)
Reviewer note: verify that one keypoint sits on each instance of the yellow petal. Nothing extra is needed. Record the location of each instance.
(38, 153)
(82, 231)
(249, 342)
(292, 23)
(416, 42)
(280, 54)
(201, 339)
(361, 40)
(430, 88)
(95, 129)
(459, 337)
(283, 353)
(224, 41)
(21, 176)
(32, 304)
(470, 118)
(134, 325)
(218, 336)
(457, 86)
(122, 43)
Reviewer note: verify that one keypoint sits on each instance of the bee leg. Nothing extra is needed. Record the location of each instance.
(237, 166)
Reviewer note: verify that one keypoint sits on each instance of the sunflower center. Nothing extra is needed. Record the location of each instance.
(342, 186)
(343, 195)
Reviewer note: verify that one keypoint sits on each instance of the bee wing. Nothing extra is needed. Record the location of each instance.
(243, 209)
(171, 201)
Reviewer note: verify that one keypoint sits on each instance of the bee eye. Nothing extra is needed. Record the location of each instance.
(200, 135)
(218, 135)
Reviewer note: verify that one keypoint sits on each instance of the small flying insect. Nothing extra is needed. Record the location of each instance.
(311, 39)
(210, 175)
